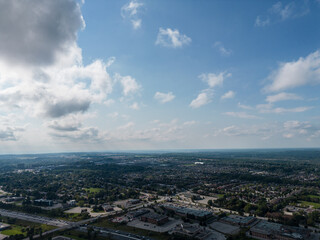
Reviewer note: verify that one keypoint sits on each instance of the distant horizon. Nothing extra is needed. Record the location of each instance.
(164, 151)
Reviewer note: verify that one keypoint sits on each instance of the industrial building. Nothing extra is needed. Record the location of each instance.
(154, 218)
(270, 230)
(189, 212)
(238, 220)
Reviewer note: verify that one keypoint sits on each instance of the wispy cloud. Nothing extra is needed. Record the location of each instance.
(282, 97)
(213, 79)
(222, 50)
(130, 11)
(172, 38)
(164, 97)
(241, 115)
(281, 12)
(202, 99)
(228, 95)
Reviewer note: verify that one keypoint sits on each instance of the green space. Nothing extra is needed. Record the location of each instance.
(307, 204)
(122, 227)
(14, 230)
(313, 196)
(21, 226)
(93, 190)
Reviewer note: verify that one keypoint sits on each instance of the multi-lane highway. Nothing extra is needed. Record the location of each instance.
(35, 218)
(65, 225)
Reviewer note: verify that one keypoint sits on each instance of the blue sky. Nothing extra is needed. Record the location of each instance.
(130, 75)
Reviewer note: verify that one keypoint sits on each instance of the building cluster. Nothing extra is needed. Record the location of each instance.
(270, 230)
(189, 212)
(190, 231)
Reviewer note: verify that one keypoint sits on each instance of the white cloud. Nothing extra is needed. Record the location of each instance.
(202, 99)
(267, 108)
(282, 97)
(135, 106)
(129, 84)
(213, 79)
(228, 95)
(172, 38)
(223, 51)
(304, 71)
(241, 115)
(164, 97)
(136, 23)
(130, 11)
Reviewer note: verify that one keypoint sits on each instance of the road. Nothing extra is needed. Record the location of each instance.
(34, 218)
(66, 225)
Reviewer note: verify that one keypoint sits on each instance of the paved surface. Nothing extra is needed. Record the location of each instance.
(224, 228)
(34, 218)
(2, 236)
(117, 235)
(65, 225)
(153, 227)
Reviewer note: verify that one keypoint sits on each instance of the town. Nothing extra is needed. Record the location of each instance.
(194, 195)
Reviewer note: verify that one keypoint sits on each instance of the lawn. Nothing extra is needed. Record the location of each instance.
(307, 204)
(313, 196)
(14, 231)
(18, 225)
(93, 190)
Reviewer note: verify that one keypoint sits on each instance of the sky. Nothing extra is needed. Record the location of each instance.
(108, 75)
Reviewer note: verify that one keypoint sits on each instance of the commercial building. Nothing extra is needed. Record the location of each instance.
(189, 212)
(270, 230)
(43, 202)
(137, 213)
(238, 220)
(188, 231)
(154, 218)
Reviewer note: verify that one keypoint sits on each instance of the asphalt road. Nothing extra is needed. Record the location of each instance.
(34, 218)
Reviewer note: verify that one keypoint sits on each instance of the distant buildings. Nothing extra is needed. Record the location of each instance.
(72, 203)
(43, 202)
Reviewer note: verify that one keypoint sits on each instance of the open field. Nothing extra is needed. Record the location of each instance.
(307, 204)
(93, 190)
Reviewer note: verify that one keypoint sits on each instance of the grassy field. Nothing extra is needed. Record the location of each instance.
(14, 231)
(107, 224)
(307, 204)
(314, 196)
(93, 190)
(19, 225)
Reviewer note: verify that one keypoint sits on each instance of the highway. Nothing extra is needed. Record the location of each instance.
(66, 225)
(35, 218)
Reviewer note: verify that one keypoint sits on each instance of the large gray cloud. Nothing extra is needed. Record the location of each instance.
(63, 108)
(34, 31)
